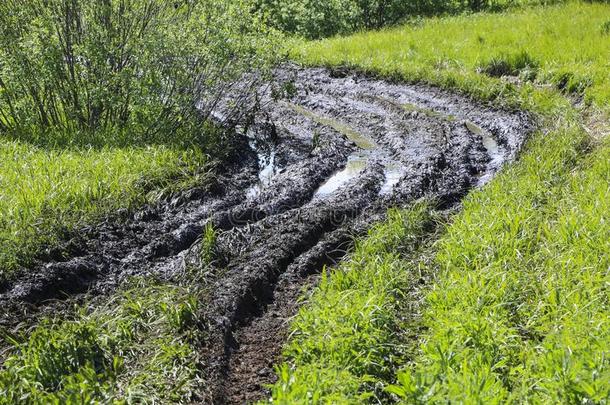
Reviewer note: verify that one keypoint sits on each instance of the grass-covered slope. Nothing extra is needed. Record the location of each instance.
(518, 306)
(565, 46)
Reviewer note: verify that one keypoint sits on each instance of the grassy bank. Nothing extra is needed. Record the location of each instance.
(517, 306)
(45, 193)
(560, 47)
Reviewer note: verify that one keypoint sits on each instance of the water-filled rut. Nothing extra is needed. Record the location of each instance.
(315, 168)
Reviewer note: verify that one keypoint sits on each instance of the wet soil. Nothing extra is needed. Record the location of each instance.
(315, 169)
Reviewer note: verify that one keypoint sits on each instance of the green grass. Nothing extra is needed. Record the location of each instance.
(346, 337)
(45, 192)
(516, 306)
(562, 46)
(138, 347)
(521, 309)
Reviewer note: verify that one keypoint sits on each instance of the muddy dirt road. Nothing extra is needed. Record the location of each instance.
(316, 168)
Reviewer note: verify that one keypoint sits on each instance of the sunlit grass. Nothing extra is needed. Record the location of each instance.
(45, 192)
(521, 308)
(568, 43)
(347, 336)
(138, 347)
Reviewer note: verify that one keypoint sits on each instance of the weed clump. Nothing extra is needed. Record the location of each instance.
(571, 83)
(520, 64)
(208, 245)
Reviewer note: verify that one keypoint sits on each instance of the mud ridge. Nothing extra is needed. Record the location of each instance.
(318, 167)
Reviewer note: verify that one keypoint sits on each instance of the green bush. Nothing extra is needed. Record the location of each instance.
(136, 67)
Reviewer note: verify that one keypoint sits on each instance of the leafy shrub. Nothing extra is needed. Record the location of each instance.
(137, 66)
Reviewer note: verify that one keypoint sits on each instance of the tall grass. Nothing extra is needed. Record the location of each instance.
(138, 347)
(521, 309)
(564, 45)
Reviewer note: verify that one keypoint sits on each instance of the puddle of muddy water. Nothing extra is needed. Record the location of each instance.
(492, 148)
(393, 173)
(268, 169)
(355, 165)
(359, 139)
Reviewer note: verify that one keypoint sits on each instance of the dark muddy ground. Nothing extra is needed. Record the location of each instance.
(316, 169)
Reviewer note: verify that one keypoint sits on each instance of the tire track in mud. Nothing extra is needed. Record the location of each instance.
(315, 170)
(397, 144)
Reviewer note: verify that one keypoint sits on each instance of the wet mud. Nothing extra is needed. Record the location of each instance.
(315, 169)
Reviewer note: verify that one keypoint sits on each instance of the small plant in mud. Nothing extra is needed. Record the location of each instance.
(315, 142)
(208, 245)
(181, 315)
(286, 89)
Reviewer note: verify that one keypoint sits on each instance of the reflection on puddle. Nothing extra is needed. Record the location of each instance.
(488, 141)
(266, 162)
(393, 173)
(355, 165)
(493, 150)
(359, 139)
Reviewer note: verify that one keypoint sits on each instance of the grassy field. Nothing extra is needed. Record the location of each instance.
(515, 304)
(566, 47)
(506, 300)
(46, 192)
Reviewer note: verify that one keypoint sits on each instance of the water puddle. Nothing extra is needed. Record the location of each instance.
(355, 165)
(268, 169)
(492, 147)
(393, 173)
(359, 139)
